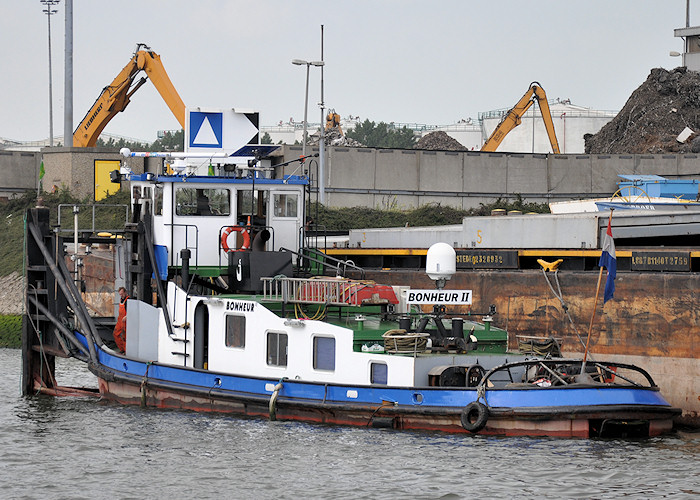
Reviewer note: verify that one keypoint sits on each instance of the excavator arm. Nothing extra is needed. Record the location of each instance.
(116, 96)
(514, 117)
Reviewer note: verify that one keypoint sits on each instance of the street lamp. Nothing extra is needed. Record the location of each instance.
(49, 12)
(300, 62)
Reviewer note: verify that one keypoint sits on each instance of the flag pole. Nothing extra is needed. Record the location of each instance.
(595, 306)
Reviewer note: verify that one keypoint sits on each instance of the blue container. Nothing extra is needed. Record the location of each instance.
(659, 187)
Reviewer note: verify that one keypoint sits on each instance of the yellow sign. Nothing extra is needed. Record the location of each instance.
(103, 183)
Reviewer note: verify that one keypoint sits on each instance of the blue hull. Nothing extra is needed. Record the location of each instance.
(556, 411)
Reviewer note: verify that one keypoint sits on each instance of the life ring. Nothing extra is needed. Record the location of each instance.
(238, 229)
(474, 416)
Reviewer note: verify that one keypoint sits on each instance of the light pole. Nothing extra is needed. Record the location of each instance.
(300, 62)
(49, 12)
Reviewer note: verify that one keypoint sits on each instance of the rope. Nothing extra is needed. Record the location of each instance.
(481, 393)
(144, 381)
(384, 404)
(561, 299)
(273, 399)
(398, 340)
(300, 314)
(541, 348)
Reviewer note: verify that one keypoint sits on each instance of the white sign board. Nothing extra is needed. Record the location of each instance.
(219, 130)
(454, 297)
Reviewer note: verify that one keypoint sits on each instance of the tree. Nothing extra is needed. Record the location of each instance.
(382, 135)
(266, 139)
(171, 141)
(121, 143)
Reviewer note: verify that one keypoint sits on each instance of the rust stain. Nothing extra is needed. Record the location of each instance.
(652, 314)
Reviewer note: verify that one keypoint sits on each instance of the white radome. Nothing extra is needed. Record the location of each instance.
(441, 261)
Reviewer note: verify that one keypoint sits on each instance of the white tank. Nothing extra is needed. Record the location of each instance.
(441, 261)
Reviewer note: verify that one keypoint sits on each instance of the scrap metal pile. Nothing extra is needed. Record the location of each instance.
(654, 117)
(439, 141)
(334, 137)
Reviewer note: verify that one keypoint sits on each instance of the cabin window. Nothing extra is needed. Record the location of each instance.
(235, 331)
(276, 349)
(202, 202)
(324, 353)
(158, 208)
(285, 205)
(378, 373)
(247, 205)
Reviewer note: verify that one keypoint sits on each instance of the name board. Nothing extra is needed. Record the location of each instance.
(487, 259)
(454, 297)
(660, 261)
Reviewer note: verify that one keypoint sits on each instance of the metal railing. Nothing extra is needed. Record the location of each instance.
(69, 222)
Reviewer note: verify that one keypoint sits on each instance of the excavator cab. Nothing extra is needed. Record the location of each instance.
(333, 120)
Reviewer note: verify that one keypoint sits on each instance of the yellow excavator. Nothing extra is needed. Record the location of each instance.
(333, 120)
(514, 117)
(116, 96)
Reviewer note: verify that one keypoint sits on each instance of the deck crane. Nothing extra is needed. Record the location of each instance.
(514, 117)
(116, 96)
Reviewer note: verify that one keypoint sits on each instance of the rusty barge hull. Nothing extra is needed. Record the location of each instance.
(653, 321)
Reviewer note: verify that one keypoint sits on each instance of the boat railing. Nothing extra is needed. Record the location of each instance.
(561, 372)
(74, 221)
(330, 291)
(317, 256)
(182, 232)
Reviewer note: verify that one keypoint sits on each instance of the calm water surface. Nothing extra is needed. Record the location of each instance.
(83, 448)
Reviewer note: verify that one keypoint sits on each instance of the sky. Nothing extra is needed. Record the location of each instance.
(427, 62)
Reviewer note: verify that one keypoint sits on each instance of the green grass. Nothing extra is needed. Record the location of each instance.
(12, 214)
(10, 331)
(344, 219)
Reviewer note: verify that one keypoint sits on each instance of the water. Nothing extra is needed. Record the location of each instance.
(85, 449)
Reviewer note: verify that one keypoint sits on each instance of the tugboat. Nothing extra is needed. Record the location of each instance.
(230, 309)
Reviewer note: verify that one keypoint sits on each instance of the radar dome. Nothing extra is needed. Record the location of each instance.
(441, 261)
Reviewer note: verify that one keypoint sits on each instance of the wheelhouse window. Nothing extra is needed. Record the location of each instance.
(255, 206)
(235, 331)
(285, 205)
(276, 349)
(202, 202)
(324, 353)
(378, 373)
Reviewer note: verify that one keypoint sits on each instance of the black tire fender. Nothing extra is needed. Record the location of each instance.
(474, 416)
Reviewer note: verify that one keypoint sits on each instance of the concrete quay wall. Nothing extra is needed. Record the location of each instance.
(393, 178)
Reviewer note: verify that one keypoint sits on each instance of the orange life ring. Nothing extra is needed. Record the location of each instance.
(239, 229)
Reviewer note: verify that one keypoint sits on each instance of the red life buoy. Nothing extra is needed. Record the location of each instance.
(239, 229)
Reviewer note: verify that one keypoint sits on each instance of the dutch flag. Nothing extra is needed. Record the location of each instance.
(608, 260)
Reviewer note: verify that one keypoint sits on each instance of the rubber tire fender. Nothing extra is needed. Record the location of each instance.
(474, 416)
